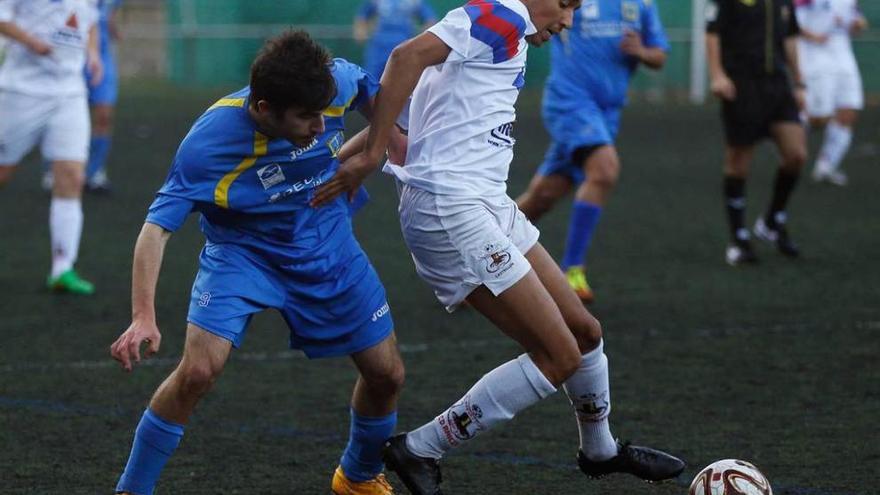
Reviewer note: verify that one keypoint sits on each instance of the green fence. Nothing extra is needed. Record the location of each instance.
(214, 41)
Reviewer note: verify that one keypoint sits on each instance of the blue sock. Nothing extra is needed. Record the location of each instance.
(362, 459)
(154, 441)
(98, 151)
(584, 218)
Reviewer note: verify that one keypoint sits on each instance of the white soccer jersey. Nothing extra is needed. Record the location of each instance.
(64, 25)
(832, 18)
(461, 113)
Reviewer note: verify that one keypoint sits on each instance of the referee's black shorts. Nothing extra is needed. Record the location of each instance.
(760, 103)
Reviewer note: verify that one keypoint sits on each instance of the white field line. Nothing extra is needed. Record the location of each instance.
(415, 348)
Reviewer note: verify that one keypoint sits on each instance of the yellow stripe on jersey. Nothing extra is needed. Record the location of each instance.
(338, 111)
(228, 102)
(221, 192)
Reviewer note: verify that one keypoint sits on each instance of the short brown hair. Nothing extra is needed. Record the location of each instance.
(292, 70)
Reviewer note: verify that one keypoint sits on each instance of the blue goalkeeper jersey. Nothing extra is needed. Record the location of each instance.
(395, 19)
(253, 191)
(587, 59)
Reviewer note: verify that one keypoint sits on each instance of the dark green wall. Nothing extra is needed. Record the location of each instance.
(225, 60)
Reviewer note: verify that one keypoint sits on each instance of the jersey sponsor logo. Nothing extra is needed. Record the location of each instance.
(297, 152)
(270, 175)
(630, 11)
(382, 311)
(502, 136)
(335, 143)
(311, 182)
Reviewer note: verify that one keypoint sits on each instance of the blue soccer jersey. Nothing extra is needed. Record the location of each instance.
(589, 78)
(587, 60)
(395, 22)
(107, 91)
(267, 248)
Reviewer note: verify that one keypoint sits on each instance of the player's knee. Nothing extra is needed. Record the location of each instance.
(387, 382)
(69, 181)
(605, 175)
(559, 364)
(6, 174)
(795, 159)
(588, 332)
(196, 379)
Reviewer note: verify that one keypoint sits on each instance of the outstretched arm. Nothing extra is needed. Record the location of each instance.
(148, 252)
(405, 67)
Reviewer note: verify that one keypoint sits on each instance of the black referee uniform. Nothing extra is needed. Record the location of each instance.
(752, 36)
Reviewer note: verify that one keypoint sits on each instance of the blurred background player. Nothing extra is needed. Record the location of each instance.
(249, 166)
(43, 100)
(834, 85)
(584, 95)
(751, 50)
(393, 22)
(102, 98)
(469, 241)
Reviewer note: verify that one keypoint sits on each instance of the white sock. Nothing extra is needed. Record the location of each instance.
(834, 147)
(498, 396)
(65, 227)
(590, 396)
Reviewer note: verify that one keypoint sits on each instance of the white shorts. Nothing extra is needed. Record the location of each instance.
(830, 91)
(60, 125)
(461, 243)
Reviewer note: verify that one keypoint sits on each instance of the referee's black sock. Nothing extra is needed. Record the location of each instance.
(735, 202)
(782, 188)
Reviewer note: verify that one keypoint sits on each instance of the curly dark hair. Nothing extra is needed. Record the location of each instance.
(292, 70)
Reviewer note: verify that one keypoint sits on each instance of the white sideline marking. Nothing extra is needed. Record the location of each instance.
(257, 357)
(288, 355)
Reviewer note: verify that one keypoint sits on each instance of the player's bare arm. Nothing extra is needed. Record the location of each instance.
(148, 252)
(93, 59)
(818, 38)
(15, 33)
(721, 85)
(652, 57)
(402, 73)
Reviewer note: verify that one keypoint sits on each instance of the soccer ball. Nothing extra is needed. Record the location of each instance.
(730, 477)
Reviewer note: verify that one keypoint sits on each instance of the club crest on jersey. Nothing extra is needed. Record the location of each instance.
(590, 9)
(270, 175)
(630, 11)
(335, 143)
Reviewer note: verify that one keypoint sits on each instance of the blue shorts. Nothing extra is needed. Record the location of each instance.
(573, 127)
(107, 91)
(339, 313)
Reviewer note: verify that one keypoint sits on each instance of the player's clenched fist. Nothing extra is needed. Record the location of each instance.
(127, 348)
(724, 88)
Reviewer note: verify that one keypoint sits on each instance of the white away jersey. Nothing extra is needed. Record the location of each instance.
(461, 114)
(832, 18)
(64, 25)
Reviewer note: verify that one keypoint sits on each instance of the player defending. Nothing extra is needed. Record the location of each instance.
(43, 100)
(250, 165)
(470, 241)
(834, 85)
(584, 95)
(394, 23)
(751, 49)
(102, 99)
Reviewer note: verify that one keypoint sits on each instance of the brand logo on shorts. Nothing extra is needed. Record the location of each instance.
(270, 175)
(497, 259)
(205, 299)
(381, 312)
